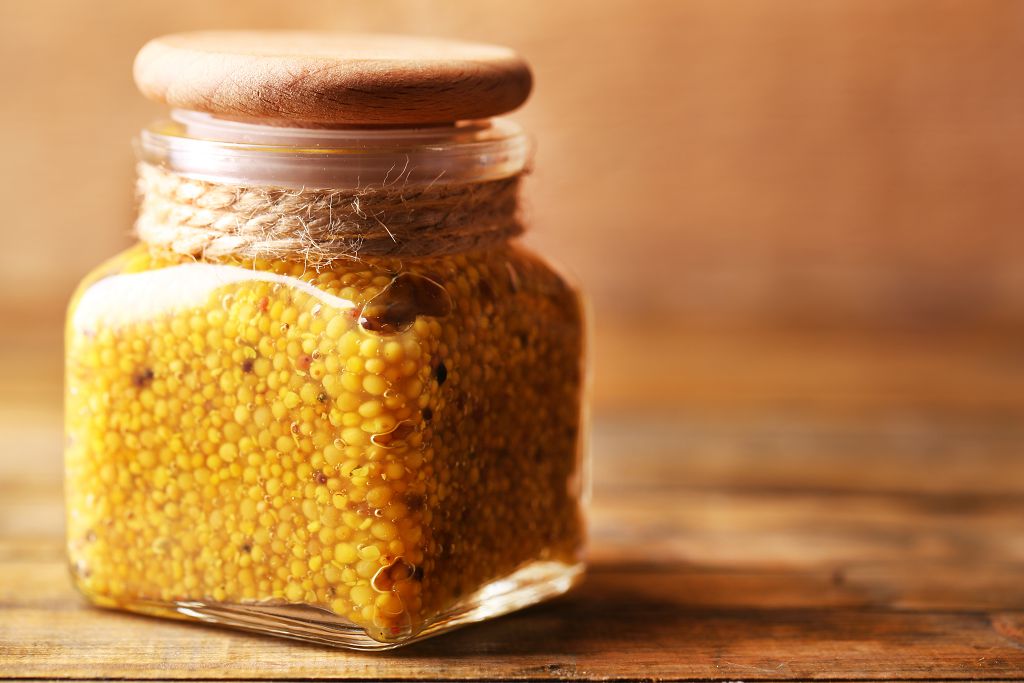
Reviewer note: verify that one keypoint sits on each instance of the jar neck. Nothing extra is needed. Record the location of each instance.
(212, 188)
(201, 146)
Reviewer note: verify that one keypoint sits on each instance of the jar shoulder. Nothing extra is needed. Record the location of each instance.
(141, 281)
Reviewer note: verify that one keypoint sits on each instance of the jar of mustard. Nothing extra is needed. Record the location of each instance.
(327, 395)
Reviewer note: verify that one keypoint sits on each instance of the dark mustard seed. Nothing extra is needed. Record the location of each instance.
(143, 378)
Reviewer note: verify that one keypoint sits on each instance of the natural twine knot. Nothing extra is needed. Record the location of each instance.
(208, 219)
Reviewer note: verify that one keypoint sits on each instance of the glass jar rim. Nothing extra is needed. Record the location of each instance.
(222, 150)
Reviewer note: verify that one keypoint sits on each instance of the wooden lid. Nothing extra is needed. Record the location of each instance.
(316, 78)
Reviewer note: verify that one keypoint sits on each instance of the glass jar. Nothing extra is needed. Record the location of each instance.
(354, 449)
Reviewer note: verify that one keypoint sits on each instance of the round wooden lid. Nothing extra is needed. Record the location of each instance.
(316, 78)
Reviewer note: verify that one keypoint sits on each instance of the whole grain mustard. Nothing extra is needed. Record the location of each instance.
(377, 440)
(328, 395)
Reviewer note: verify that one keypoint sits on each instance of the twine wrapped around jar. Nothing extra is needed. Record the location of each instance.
(202, 218)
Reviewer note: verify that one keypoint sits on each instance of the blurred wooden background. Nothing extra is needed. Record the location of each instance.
(800, 225)
(835, 164)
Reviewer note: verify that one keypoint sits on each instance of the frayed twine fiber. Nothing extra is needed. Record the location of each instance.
(207, 219)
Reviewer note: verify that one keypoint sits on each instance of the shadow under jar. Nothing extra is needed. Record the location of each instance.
(327, 396)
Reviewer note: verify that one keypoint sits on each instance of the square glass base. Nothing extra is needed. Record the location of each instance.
(529, 585)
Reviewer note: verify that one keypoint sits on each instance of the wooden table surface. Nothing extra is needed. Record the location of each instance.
(766, 507)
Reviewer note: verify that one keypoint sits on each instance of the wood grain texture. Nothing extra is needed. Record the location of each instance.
(624, 622)
(846, 541)
(324, 78)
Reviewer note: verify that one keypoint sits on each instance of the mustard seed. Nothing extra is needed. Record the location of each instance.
(269, 445)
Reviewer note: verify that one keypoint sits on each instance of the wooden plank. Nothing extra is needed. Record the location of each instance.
(804, 529)
(791, 563)
(665, 368)
(735, 528)
(741, 530)
(898, 454)
(842, 540)
(976, 605)
(622, 622)
(669, 369)
(942, 466)
(964, 586)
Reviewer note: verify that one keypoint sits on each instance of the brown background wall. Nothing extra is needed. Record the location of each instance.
(850, 161)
